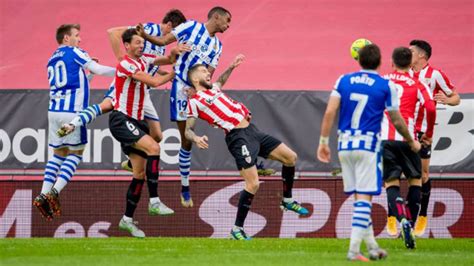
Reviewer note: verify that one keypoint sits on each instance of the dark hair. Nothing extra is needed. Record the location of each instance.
(191, 72)
(218, 9)
(423, 45)
(128, 35)
(369, 57)
(401, 57)
(175, 16)
(64, 30)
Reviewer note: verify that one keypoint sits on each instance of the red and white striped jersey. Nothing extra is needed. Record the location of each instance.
(436, 81)
(411, 93)
(217, 108)
(130, 93)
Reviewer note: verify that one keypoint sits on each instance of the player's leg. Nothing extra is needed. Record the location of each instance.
(287, 157)
(413, 199)
(391, 171)
(133, 196)
(50, 174)
(89, 114)
(368, 182)
(422, 221)
(149, 146)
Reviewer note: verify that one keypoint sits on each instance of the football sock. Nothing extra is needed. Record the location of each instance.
(67, 170)
(396, 202)
(360, 224)
(425, 197)
(413, 204)
(133, 196)
(245, 201)
(288, 176)
(184, 168)
(152, 174)
(50, 172)
(87, 115)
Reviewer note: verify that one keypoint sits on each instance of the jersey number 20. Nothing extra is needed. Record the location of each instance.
(59, 74)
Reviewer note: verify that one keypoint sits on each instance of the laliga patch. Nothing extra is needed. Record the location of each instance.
(248, 159)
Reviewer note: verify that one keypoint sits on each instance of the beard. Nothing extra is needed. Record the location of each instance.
(205, 84)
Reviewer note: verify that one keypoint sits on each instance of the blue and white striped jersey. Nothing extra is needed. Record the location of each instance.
(69, 87)
(153, 49)
(364, 97)
(205, 49)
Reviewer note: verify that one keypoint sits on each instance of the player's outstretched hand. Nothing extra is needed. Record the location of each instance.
(140, 30)
(425, 140)
(183, 47)
(324, 153)
(415, 146)
(440, 98)
(237, 61)
(201, 142)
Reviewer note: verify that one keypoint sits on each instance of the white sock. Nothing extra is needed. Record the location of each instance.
(127, 219)
(360, 224)
(68, 168)
(184, 166)
(288, 200)
(155, 200)
(50, 172)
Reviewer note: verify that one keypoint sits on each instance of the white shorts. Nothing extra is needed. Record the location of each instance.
(74, 141)
(179, 100)
(150, 111)
(361, 171)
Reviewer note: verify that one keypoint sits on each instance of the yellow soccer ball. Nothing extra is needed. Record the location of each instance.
(357, 45)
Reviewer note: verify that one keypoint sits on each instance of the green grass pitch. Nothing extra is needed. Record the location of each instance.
(205, 251)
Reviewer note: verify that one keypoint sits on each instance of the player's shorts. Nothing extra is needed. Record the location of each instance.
(246, 144)
(398, 158)
(149, 108)
(127, 131)
(425, 151)
(178, 100)
(361, 171)
(74, 141)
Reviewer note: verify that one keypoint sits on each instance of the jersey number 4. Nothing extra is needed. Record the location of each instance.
(361, 100)
(57, 73)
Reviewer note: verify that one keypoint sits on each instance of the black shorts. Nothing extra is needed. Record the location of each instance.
(425, 151)
(398, 158)
(246, 144)
(127, 131)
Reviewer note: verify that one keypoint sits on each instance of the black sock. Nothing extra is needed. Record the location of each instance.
(245, 201)
(390, 211)
(413, 198)
(396, 202)
(152, 173)
(133, 196)
(425, 197)
(288, 176)
(184, 188)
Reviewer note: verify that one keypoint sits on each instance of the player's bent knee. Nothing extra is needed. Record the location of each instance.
(252, 187)
(153, 149)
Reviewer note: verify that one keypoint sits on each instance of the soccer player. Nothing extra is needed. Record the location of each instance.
(172, 19)
(443, 93)
(397, 155)
(206, 50)
(244, 141)
(128, 126)
(360, 99)
(69, 94)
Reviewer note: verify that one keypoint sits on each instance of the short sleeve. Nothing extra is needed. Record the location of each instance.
(80, 56)
(443, 82)
(215, 60)
(126, 69)
(152, 29)
(192, 108)
(183, 31)
(335, 92)
(391, 100)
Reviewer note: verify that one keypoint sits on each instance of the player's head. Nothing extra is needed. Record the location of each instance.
(220, 17)
(370, 57)
(68, 34)
(199, 76)
(421, 51)
(401, 58)
(172, 19)
(133, 42)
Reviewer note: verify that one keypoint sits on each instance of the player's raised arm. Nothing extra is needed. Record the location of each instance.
(115, 39)
(201, 141)
(225, 76)
(171, 58)
(161, 41)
